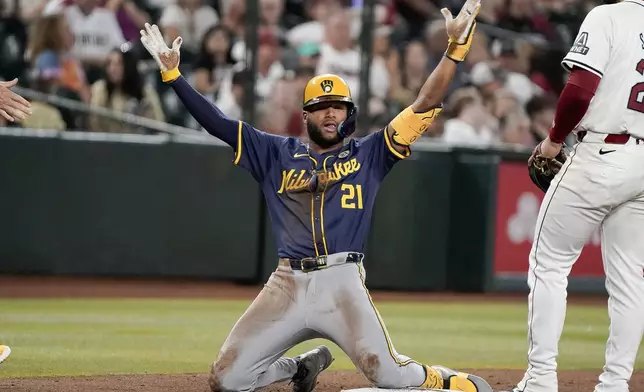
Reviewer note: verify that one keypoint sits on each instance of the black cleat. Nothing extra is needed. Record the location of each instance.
(309, 366)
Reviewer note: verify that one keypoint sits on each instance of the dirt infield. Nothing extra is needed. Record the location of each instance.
(331, 381)
(83, 287)
(328, 382)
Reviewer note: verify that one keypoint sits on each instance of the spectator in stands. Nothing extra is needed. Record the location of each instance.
(130, 17)
(270, 15)
(479, 51)
(501, 103)
(546, 73)
(522, 16)
(122, 89)
(313, 31)
(308, 55)
(234, 15)
(380, 76)
(337, 53)
(416, 13)
(43, 115)
(515, 129)
(276, 110)
(469, 120)
(408, 80)
(269, 67)
(565, 16)
(542, 114)
(231, 105)
(214, 62)
(190, 19)
(55, 69)
(50, 43)
(295, 125)
(490, 11)
(96, 31)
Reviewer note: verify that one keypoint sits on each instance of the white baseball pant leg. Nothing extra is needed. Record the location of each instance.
(623, 253)
(590, 190)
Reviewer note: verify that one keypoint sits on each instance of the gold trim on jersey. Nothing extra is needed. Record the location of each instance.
(392, 149)
(390, 345)
(326, 182)
(315, 243)
(238, 153)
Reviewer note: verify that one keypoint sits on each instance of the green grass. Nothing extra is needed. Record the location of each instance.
(83, 337)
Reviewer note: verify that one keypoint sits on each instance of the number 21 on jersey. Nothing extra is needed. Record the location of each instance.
(351, 196)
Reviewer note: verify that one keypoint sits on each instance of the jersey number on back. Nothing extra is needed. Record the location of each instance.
(636, 100)
(351, 196)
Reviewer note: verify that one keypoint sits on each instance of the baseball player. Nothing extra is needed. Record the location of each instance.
(13, 106)
(320, 197)
(601, 184)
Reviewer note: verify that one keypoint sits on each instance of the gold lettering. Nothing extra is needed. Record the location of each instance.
(339, 170)
(285, 178)
(294, 182)
(355, 165)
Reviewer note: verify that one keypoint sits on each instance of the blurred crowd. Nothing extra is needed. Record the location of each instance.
(89, 51)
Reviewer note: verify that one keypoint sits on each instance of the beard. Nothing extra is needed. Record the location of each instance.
(317, 136)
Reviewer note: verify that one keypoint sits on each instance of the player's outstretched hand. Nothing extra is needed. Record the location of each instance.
(167, 58)
(13, 106)
(458, 29)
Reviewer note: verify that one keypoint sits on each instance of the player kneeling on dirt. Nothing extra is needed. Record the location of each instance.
(320, 197)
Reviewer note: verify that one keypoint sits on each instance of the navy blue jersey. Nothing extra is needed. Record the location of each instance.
(318, 203)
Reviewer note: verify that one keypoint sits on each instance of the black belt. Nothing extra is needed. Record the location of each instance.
(309, 264)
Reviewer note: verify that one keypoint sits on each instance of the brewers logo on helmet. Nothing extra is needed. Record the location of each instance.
(327, 88)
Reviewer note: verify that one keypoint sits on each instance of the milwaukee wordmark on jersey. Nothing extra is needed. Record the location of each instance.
(318, 203)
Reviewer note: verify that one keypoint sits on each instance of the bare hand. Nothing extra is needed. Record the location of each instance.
(13, 106)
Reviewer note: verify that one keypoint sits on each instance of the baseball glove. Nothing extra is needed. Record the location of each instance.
(542, 169)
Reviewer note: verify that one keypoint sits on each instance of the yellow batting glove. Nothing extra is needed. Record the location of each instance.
(460, 30)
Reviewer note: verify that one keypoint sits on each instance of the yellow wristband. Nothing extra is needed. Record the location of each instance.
(458, 51)
(169, 76)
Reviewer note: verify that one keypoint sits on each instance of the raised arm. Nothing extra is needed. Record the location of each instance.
(412, 122)
(213, 120)
(254, 150)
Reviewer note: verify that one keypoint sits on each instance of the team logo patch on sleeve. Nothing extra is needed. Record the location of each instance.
(581, 45)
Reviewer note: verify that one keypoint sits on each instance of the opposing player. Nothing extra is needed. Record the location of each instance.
(601, 184)
(320, 198)
(13, 106)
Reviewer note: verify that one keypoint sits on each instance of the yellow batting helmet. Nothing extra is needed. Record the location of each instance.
(327, 88)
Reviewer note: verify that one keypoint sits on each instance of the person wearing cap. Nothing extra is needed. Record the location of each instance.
(320, 197)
